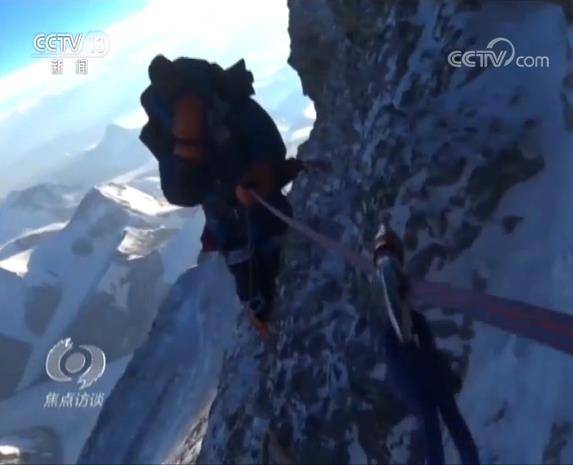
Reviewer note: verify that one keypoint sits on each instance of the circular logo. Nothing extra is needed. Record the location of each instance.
(63, 363)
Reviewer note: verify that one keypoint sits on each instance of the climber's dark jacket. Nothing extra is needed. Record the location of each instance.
(234, 150)
(255, 138)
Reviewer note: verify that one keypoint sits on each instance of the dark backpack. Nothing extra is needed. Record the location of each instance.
(182, 182)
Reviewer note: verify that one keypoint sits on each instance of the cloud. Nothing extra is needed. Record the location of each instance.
(310, 111)
(219, 30)
(133, 119)
(36, 106)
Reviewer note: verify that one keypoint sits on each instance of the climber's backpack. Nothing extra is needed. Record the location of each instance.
(183, 183)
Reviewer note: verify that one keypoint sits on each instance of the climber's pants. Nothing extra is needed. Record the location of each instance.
(234, 228)
(250, 241)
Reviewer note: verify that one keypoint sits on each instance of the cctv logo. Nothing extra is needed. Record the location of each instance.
(63, 363)
(503, 57)
(93, 44)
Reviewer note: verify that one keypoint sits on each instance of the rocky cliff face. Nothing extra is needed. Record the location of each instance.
(472, 166)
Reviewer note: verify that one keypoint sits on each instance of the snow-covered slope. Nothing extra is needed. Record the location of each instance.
(474, 167)
(171, 379)
(85, 255)
(25, 211)
(98, 278)
(51, 435)
(94, 264)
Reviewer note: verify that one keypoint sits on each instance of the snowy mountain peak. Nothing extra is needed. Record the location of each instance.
(97, 275)
(24, 213)
(109, 201)
(135, 200)
(113, 130)
(114, 135)
(42, 196)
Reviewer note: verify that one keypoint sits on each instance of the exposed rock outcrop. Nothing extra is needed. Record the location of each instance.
(462, 160)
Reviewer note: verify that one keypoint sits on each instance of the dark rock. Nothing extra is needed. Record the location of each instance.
(305, 385)
(420, 263)
(41, 304)
(464, 237)
(385, 124)
(446, 169)
(557, 442)
(567, 111)
(14, 355)
(457, 201)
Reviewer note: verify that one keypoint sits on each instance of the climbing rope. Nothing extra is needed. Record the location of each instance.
(549, 327)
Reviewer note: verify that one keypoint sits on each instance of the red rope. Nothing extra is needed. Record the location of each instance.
(549, 327)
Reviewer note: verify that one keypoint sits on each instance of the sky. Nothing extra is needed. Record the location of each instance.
(39, 109)
(21, 20)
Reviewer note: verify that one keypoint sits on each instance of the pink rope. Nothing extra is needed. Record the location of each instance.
(549, 327)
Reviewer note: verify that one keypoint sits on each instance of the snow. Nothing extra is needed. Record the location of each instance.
(54, 262)
(516, 390)
(17, 263)
(26, 410)
(301, 134)
(310, 112)
(399, 439)
(80, 256)
(24, 212)
(136, 200)
(357, 454)
(96, 251)
(29, 239)
(9, 450)
(183, 248)
(82, 245)
(136, 174)
(173, 377)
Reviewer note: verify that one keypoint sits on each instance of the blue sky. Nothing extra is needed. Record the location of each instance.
(218, 30)
(22, 19)
(52, 116)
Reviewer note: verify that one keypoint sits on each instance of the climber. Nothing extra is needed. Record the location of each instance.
(417, 370)
(215, 146)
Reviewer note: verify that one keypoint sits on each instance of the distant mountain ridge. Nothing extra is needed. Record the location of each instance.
(97, 275)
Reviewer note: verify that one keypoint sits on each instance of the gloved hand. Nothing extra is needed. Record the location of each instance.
(261, 179)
